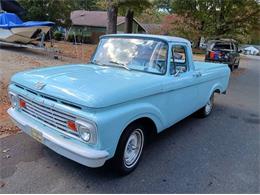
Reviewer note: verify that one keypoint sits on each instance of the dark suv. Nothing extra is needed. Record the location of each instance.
(223, 51)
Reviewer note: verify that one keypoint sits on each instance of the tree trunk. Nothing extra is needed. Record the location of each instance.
(112, 18)
(129, 19)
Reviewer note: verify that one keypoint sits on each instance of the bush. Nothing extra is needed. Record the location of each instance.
(70, 38)
(57, 35)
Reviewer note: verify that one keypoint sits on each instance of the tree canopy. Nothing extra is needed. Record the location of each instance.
(221, 18)
(57, 11)
(238, 19)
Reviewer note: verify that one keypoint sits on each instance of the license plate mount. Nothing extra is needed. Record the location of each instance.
(36, 135)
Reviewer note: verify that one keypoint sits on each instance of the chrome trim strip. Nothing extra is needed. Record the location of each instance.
(37, 112)
(40, 110)
(47, 108)
(55, 128)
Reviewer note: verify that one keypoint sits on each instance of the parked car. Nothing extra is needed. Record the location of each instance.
(223, 51)
(133, 87)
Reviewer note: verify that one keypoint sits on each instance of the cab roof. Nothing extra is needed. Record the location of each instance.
(162, 37)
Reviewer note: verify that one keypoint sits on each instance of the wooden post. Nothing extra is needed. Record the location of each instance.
(129, 18)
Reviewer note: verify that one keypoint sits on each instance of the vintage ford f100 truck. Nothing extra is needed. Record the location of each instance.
(134, 86)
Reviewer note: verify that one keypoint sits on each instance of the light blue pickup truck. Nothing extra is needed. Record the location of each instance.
(133, 87)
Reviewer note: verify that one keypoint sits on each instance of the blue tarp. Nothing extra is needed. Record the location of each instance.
(10, 20)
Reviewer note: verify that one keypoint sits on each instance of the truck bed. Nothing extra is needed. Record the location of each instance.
(202, 66)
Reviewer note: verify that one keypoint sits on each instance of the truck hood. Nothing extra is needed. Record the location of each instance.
(91, 85)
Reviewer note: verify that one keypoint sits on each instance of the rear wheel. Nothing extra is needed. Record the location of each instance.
(237, 64)
(129, 149)
(232, 67)
(207, 109)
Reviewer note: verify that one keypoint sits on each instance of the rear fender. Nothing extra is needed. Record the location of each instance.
(113, 122)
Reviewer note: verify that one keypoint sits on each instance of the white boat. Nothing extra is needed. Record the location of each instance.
(14, 30)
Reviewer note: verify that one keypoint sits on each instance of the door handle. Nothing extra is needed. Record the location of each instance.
(197, 74)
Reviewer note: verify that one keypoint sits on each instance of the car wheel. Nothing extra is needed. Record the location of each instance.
(237, 65)
(129, 149)
(231, 66)
(207, 109)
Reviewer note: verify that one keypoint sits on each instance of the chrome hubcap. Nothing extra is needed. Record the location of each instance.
(133, 148)
(209, 105)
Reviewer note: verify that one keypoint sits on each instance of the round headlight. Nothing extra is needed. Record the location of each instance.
(87, 131)
(84, 133)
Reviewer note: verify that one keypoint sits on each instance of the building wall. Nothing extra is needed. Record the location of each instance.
(86, 30)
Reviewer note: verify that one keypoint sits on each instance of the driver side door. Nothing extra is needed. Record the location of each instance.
(181, 91)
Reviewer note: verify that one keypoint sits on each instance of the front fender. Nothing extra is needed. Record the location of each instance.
(112, 122)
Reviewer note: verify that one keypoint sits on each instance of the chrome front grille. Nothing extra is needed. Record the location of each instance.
(48, 115)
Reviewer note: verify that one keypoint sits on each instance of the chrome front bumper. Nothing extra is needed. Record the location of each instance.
(60, 143)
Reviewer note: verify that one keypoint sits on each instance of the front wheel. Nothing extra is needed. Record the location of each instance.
(129, 149)
(207, 109)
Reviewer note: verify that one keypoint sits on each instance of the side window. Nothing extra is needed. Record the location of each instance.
(159, 57)
(232, 46)
(179, 59)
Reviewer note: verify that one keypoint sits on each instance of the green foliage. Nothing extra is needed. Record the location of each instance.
(222, 18)
(151, 15)
(163, 5)
(123, 5)
(238, 19)
(57, 11)
(57, 35)
(70, 38)
(177, 25)
(84, 4)
(135, 5)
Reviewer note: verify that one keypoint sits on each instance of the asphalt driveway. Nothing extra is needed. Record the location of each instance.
(219, 154)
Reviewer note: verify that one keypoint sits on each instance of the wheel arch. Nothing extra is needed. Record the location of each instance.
(147, 120)
(151, 127)
(217, 88)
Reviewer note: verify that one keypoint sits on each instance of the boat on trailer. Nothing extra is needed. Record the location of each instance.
(14, 30)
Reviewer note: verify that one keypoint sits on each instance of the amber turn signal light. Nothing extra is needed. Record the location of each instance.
(22, 103)
(72, 125)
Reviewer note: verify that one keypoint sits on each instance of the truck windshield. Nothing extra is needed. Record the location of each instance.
(139, 54)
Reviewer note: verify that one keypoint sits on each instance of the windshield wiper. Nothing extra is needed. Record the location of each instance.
(97, 63)
(112, 62)
(120, 64)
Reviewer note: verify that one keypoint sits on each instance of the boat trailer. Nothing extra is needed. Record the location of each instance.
(40, 46)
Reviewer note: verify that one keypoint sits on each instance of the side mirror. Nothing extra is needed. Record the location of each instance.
(240, 51)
